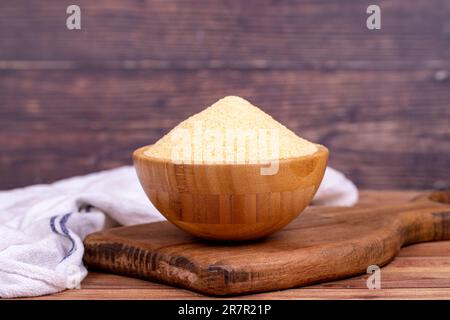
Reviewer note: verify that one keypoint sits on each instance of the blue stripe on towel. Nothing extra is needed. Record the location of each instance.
(65, 231)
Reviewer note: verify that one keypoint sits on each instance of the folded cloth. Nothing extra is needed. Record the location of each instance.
(42, 227)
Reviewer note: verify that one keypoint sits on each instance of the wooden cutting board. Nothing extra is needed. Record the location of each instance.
(322, 244)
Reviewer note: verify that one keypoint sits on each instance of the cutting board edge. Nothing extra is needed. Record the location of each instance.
(425, 224)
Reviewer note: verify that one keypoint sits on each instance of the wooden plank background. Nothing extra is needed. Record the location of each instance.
(73, 102)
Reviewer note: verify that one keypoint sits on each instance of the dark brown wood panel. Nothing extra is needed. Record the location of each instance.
(383, 128)
(73, 102)
(231, 34)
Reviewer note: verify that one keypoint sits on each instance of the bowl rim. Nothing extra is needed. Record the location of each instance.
(321, 151)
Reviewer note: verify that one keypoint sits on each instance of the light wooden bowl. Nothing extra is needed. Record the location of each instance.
(230, 201)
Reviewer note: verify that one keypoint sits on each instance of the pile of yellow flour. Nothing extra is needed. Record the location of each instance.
(232, 130)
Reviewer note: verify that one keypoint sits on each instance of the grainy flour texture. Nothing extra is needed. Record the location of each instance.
(232, 130)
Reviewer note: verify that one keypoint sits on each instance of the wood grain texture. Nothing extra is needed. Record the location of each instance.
(421, 277)
(71, 122)
(223, 34)
(303, 294)
(230, 201)
(77, 102)
(321, 245)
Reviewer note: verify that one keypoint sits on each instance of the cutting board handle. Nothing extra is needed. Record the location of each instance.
(426, 218)
(438, 196)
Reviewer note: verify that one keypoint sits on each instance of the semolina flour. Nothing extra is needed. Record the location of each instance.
(232, 130)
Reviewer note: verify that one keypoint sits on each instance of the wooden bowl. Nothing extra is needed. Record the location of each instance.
(230, 201)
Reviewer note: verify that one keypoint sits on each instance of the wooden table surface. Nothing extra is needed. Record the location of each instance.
(420, 271)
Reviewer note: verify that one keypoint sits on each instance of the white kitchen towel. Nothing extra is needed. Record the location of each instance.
(42, 227)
